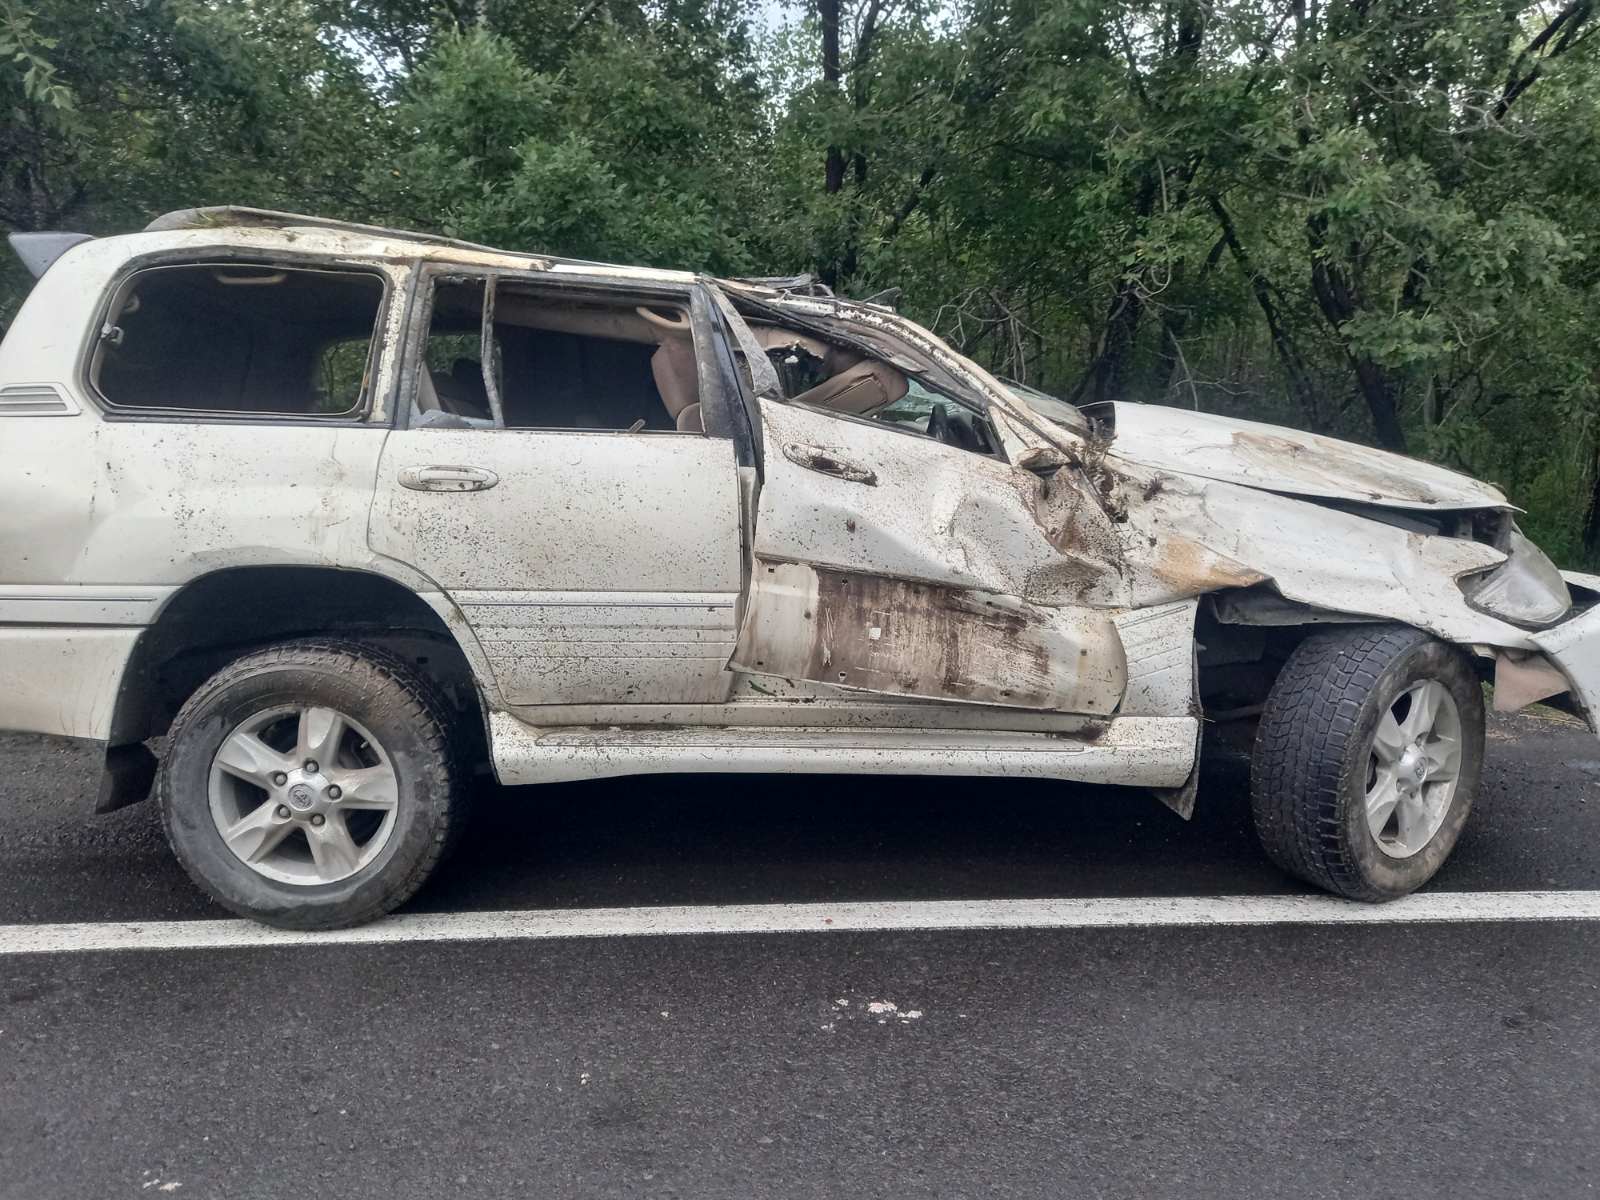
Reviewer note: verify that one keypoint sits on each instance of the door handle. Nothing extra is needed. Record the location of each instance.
(825, 462)
(448, 479)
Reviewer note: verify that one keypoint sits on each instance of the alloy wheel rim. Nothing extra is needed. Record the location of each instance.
(303, 794)
(1413, 768)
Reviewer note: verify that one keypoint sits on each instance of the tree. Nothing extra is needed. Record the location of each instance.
(1365, 217)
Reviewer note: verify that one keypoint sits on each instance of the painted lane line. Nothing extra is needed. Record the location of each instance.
(855, 916)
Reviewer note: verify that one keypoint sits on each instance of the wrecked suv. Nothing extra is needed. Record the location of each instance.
(337, 514)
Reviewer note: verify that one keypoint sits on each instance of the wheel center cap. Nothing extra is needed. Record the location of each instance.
(301, 796)
(1412, 768)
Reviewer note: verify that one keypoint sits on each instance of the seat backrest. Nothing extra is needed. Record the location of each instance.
(462, 392)
(859, 389)
(673, 367)
(427, 394)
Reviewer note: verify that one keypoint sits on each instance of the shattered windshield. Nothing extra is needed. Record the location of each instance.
(1052, 408)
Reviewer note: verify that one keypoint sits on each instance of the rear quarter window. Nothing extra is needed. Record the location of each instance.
(237, 340)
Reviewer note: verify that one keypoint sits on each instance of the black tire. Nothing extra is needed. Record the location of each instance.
(1308, 776)
(402, 711)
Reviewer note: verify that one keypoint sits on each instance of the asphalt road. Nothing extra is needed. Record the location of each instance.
(1402, 1060)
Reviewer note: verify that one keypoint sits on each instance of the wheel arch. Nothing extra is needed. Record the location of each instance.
(222, 614)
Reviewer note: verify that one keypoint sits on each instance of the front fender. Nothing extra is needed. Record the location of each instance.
(1193, 536)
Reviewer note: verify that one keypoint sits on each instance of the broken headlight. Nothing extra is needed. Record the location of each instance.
(1526, 589)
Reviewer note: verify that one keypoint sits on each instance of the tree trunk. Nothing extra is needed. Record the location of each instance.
(1340, 301)
(1591, 517)
(1110, 370)
(1383, 402)
(1289, 356)
(828, 12)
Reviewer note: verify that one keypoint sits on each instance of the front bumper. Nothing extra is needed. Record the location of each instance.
(1574, 647)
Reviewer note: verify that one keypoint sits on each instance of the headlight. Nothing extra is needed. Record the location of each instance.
(1526, 589)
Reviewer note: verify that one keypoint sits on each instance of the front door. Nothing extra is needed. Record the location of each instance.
(894, 545)
(542, 481)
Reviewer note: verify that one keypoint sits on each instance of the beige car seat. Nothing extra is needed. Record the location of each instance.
(677, 379)
(859, 389)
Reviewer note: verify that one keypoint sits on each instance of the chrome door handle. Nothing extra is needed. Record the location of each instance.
(448, 479)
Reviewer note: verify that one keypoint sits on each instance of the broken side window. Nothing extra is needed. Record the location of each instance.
(450, 378)
(558, 362)
(240, 340)
(843, 381)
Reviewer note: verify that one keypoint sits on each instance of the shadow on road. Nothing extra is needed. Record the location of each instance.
(723, 839)
(760, 839)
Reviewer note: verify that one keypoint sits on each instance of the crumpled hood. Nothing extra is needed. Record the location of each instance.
(1276, 459)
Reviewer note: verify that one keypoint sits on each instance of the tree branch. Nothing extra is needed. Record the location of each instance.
(1567, 22)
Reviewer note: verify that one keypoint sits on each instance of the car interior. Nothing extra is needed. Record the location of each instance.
(240, 339)
(251, 339)
(842, 380)
(587, 363)
(560, 363)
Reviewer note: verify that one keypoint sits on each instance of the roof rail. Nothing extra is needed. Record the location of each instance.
(804, 285)
(237, 216)
(226, 215)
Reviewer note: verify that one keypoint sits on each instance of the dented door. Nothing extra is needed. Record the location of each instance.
(893, 563)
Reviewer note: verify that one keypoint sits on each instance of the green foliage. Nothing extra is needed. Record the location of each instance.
(1374, 219)
(617, 154)
(24, 50)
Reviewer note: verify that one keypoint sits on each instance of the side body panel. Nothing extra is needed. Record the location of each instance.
(159, 502)
(898, 564)
(600, 568)
(103, 519)
(929, 641)
(62, 679)
(1153, 752)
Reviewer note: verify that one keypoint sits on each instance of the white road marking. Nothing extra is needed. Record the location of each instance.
(852, 916)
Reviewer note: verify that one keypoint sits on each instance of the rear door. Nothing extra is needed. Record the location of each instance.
(596, 565)
(889, 561)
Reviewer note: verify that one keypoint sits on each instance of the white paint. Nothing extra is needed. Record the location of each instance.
(1159, 646)
(602, 568)
(1195, 536)
(79, 604)
(966, 648)
(97, 517)
(1428, 908)
(1575, 647)
(61, 679)
(1156, 752)
(1279, 459)
(937, 514)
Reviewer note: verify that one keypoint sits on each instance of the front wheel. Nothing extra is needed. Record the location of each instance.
(1367, 760)
(310, 785)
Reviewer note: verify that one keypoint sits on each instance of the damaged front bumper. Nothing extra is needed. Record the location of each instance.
(1574, 647)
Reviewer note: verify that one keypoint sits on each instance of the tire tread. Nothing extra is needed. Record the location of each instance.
(1298, 768)
(423, 707)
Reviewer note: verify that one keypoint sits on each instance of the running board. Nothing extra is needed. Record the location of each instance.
(1152, 752)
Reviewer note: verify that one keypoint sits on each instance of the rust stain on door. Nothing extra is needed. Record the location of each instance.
(905, 638)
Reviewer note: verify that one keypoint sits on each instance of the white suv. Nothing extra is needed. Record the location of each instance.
(344, 512)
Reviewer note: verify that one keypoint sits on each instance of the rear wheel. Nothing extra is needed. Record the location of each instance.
(1367, 760)
(310, 785)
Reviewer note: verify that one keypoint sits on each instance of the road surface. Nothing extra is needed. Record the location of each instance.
(1403, 1059)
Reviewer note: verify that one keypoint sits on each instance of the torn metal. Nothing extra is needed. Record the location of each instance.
(903, 638)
